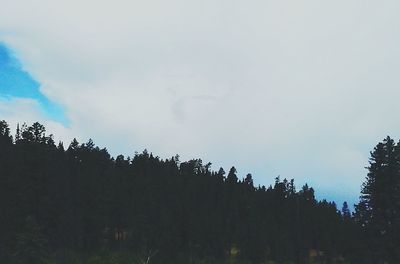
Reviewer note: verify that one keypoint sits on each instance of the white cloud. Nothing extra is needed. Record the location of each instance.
(21, 110)
(281, 83)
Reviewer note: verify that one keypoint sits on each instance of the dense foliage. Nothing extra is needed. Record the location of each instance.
(80, 199)
(378, 212)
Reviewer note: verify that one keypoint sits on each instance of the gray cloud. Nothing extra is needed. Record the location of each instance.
(303, 89)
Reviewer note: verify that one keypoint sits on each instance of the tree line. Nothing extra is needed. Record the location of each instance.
(57, 199)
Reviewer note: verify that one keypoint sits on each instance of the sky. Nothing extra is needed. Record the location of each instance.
(17, 84)
(301, 89)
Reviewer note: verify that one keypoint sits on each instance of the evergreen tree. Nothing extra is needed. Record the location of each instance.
(378, 211)
(17, 134)
(31, 246)
(346, 211)
(232, 177)
(4, 130)
(85, 200)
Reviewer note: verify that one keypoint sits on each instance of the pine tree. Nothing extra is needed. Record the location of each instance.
(17, 134)
(346, 211)
(378, 211)
(31, 245)
(232, 178)
(5, 137)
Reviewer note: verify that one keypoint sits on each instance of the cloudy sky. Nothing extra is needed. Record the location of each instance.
(301, 89)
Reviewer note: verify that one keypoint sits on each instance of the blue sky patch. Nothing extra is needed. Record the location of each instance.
(17, 83)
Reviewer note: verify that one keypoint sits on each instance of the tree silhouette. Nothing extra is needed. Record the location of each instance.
(378, 211)
(30, 244)
(83, 200)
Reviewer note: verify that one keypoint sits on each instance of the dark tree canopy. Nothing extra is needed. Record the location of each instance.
(80, 199)
(379, 209)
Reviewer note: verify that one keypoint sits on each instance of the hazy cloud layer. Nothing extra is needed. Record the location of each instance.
(303, 89)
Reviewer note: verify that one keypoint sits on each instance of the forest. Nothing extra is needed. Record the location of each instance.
(78, 204)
